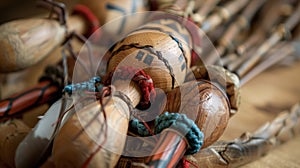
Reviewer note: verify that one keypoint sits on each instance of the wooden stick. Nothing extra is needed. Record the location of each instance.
(270, 15)
(223, 14)
(169, 150)
(281, 32)
(228, 59)
(46, 90)
(260, 31)
(283, 51)
(241, 23)
(249, 147)
(240, 60)
(39, 94)
(205, 9)
(274, 55)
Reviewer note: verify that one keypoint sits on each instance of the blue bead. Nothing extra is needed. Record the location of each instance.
(95, 79)
(77, 86)
(91, 86)
(68, 89)
(84, 85)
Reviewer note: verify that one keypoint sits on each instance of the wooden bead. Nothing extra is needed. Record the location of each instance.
(157, 48)
(204, 103)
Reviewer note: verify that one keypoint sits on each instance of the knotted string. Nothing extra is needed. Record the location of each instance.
(143, 80)
(179, 122)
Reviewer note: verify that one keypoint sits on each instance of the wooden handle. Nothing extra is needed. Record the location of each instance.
(169, 150)
(25, 42)
(73, 152)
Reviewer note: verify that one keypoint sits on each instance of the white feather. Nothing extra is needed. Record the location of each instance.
(31, 149)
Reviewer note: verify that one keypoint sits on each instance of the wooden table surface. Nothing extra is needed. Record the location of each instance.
(271, 92)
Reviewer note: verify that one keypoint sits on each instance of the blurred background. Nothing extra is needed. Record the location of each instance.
(16, 9)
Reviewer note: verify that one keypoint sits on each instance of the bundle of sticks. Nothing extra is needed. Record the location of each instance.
(160, 95)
